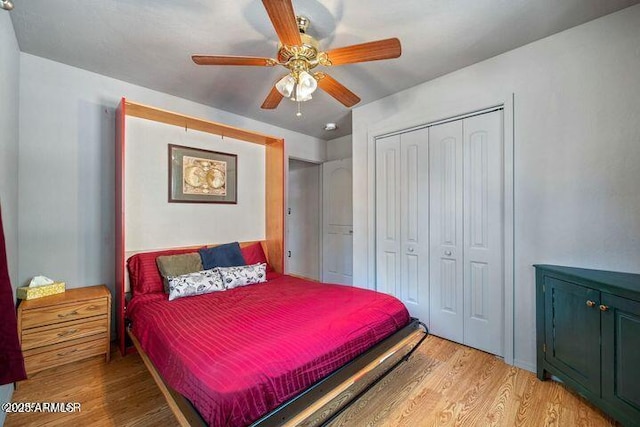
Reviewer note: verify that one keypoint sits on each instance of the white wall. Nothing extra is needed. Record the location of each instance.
(9, 82)
(153, 223)
(66, 163)
(339, 148)
(577, 152)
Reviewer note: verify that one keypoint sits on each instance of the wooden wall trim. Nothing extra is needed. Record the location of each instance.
(163, 116)
(120, 236)
(275, 200)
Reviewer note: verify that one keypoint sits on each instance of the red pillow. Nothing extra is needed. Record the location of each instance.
(144, 275)
(254, 254)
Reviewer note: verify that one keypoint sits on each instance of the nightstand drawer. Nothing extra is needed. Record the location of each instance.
(63, 313)
(63, 355)
(53, 334)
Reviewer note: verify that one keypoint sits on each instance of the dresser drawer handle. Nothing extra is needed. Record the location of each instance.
(67, 352)
(69, 332)
(73, 313)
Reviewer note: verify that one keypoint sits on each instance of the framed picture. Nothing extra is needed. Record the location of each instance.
(202, 176)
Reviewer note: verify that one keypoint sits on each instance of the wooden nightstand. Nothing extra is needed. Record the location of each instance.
(64, 328)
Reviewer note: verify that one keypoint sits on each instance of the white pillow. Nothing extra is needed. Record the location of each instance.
(243, 275)
(201, 282)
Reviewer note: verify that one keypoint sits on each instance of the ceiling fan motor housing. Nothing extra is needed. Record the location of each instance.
(303, 57)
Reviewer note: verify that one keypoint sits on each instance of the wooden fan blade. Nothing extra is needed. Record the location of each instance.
(371, 51)
(233, 60)
(273, 99)
(337, 90)
(284, 21)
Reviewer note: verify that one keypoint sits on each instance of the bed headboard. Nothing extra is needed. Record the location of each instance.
(263, 154)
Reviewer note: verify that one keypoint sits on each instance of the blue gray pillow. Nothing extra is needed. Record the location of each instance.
(227, 255)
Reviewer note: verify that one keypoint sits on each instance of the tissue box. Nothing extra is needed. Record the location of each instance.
(41, 291)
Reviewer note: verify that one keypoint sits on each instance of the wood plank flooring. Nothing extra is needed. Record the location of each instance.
(443, 384)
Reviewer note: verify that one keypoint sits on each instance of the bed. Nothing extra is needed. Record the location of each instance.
(348, 367)
(245, 355)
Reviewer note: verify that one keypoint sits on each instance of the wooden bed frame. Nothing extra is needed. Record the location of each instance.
(324, 400)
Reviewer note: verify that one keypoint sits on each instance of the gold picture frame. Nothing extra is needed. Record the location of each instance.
(202, 176)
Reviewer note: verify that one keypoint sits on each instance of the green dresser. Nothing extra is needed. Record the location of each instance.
(588, 335)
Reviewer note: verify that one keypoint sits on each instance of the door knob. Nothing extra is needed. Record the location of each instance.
(590, 303)
(603, 307)
(447, 253)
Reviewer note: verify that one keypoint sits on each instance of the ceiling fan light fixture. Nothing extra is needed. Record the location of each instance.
(286, 86)
(298, 89)
(307, 84)
(6, 4)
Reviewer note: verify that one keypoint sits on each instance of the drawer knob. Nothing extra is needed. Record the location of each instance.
(591, 303)
(603, 307)
(447, 253)
(73, 313)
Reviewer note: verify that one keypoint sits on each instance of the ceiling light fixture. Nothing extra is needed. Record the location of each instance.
(330, 126)
(6, 4)
(298, 86)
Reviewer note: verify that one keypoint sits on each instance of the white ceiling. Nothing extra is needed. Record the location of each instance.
(149, 43)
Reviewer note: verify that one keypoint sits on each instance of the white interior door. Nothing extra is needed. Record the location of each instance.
(413, 289)
(303, 220)
(483, 224)
(445, 192)
(337, 228)
(388, 241)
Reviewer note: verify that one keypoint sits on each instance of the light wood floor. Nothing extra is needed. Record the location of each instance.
(442, 384)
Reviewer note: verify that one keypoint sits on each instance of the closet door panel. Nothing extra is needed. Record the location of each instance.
(414, 224)
(483, 253)
(388, 239)
(445, 230)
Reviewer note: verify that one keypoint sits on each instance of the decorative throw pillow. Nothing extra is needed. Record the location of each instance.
(232, 277)
(201, 282)
(227, 255)
(177, 265)
(143, 270)
(253, 254)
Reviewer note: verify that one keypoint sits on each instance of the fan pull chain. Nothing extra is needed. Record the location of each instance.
(299, 113)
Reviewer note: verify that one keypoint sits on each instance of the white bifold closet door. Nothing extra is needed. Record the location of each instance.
(445, 229)
(402, 212)
(439, 225)
(466, 281)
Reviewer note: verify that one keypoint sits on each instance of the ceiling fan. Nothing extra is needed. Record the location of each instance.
(299, 53)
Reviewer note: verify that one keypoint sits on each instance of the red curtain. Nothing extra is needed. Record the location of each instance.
(11, 361)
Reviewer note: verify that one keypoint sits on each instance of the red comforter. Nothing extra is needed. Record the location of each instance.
(240, 353)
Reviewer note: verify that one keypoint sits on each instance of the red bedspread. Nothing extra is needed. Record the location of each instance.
(240, 353)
